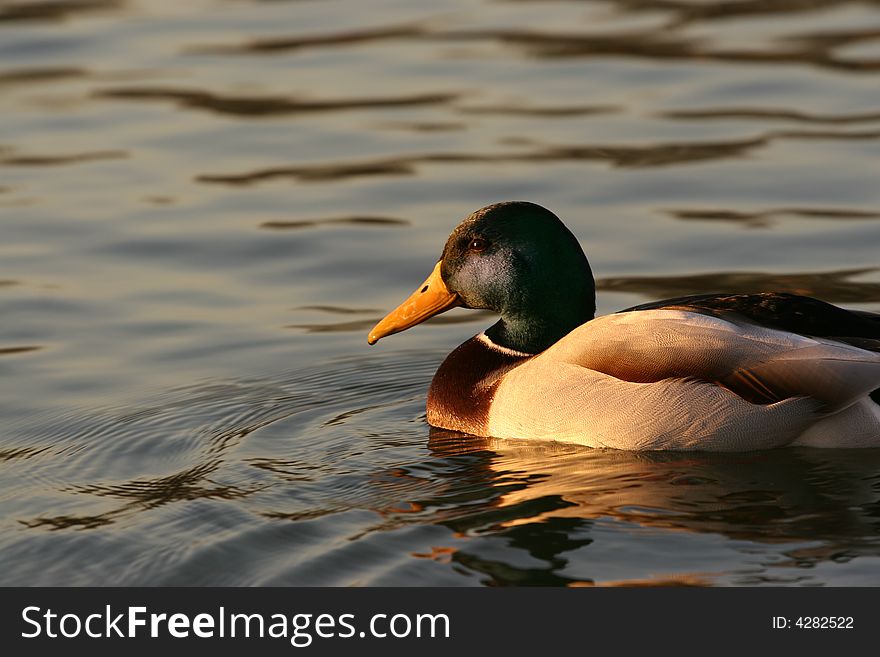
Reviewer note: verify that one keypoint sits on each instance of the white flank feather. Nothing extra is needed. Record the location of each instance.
(577, 391)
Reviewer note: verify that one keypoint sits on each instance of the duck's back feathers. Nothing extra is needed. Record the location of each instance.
(761, 365)
(782, 311)
(785, 312)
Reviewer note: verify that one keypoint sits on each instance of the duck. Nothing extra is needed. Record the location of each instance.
(709, 372)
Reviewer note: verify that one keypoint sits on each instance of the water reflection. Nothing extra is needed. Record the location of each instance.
(255, 106)
(316, 173)
(546, 111)
(285, 44)
(686, 11)
(763, 114)
(39, 75)
(17, 453)
(339, 310)
(622, 156)
(553, 502)
(832, 286)
(7, 351)
(58, 160)
(334, 221)
(53, 10)
(423, 126)
(766, 218)
(635, 156)
(188, 484)
(666, 41)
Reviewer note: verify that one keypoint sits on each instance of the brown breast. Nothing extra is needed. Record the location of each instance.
(462, 389)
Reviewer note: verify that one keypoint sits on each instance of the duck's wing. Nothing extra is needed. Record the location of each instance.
(551, 400)
(784, 312)
(679, 379)
(762, 365)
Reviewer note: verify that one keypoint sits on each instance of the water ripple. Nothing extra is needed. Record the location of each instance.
(546, 111)
(833, 286)
(59, 160)
(54, 10)
(23, 349)
(767, 218)
(650, 155)
(12, 77)
(334, 221)
(285, 44)
(203, 425)
(256, 106)
(663, 42)
(762, 114)
(687, 11)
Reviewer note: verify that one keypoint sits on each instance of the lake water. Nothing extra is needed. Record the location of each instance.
(205, 205)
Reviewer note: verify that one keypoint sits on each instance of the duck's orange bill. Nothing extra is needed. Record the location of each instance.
(431, 298)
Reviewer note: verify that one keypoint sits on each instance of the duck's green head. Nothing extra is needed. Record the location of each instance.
(517, 259)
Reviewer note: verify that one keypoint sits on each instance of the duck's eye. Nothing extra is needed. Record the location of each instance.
(478, 244)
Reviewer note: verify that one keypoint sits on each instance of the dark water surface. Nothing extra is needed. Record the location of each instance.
(205, 205)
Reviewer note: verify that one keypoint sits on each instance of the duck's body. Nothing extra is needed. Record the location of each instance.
(663, 379)
(720, 373)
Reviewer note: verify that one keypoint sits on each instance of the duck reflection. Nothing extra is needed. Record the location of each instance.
(549, 499)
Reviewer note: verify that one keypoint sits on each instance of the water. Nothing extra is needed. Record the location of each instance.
(204, 206)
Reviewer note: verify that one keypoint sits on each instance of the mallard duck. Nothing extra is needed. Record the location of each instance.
(730, 372)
